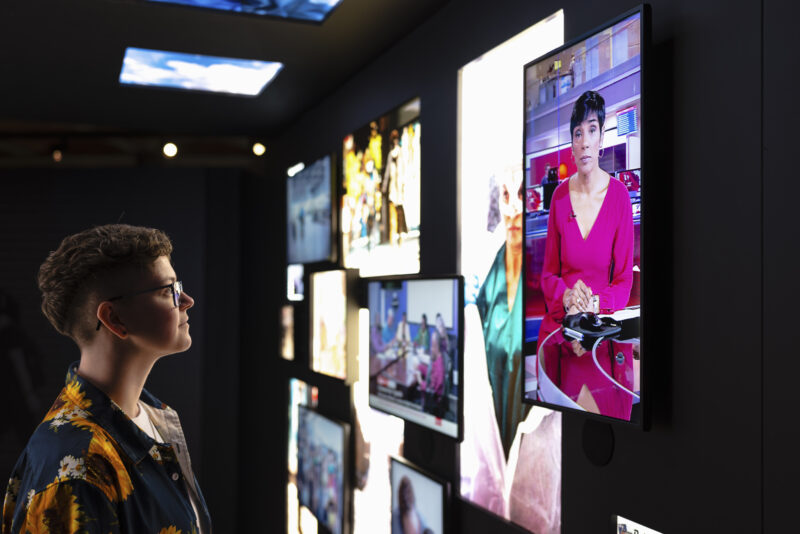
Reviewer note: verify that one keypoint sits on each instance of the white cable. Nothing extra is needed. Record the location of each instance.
(594, 358)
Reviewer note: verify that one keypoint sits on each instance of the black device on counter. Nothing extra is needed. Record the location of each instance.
(588, 328)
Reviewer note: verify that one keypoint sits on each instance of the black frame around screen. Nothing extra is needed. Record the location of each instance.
(345, 519)
(446, 496)
(530, 347)
(459, 363)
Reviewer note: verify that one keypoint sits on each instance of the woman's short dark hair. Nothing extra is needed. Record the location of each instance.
(588, 103)
(405, 495)
(84, 261)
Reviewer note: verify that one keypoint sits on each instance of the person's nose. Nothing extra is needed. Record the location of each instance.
(186, 301)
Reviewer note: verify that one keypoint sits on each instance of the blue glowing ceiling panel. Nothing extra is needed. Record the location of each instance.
(158, 68)
(309, 10)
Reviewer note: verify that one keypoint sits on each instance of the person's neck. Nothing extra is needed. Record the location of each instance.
(591, 182)
(120, 374)
(513, 262)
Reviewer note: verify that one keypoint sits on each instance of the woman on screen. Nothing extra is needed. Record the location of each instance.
(588, 267)
(406, 519)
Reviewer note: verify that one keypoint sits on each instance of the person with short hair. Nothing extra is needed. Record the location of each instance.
(109, 456)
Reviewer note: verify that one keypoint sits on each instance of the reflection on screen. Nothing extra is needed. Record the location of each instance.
(175, 70)
(313, 10)
(414, 358)
(308, 213)
(598, 80)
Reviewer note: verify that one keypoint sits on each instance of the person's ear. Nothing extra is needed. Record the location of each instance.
(111, 320)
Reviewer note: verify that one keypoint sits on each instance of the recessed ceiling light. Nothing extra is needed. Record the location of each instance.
(159, 68)
(259, 149)
(170, 150)
(314, 10)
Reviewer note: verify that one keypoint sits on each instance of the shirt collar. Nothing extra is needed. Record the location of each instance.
(110, 416)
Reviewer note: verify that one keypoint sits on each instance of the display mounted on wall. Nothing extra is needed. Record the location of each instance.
(380, 217)
(334, 324)
(310, 214)
(584, 165)
(420, 501)
(287, 332)
(295, 287)
(415, 350)
(323, 474)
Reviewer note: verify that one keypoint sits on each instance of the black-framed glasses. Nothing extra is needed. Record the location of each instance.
(176, 287)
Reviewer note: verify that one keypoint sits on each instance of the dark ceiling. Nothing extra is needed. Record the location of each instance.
(61, 61)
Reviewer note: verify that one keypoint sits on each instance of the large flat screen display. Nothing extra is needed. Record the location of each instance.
(415, 350)
(584, 176)
(309, 224)
(322, 468)
(419, 500)
(381, 201)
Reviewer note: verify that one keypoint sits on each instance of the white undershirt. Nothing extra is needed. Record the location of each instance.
(144, 422)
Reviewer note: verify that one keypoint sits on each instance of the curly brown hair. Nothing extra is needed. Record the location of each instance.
(72, 276)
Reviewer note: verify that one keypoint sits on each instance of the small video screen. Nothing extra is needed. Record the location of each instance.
(380, 217)
(321, 474)
(415, 350)
(418, 500)
(308, 213)
(329, 323)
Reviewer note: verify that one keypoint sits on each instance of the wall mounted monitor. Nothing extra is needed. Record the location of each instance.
(380, 217)
(304, 10)
(584, 132)
(420, 501)
(334, 324)
(323, 469)
(295, 286)
(287, 332)
(416, 350)
(310, 218)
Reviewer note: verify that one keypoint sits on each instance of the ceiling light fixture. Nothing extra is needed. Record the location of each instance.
(259, 149)
(170, 150)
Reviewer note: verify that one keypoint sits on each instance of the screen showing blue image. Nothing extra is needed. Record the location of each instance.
(418, 500)
(321, 460)
(311, 10)
(176, 70)
(308, 213)
(415, 350)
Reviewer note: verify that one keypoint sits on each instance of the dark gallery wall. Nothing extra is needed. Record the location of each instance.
(716, 454)
(198, 208)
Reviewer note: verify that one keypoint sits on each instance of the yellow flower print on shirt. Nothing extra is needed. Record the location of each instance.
(170, 530)
(105, 469)
(54, 510)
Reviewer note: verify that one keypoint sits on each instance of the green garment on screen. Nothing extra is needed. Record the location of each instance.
(502, 333)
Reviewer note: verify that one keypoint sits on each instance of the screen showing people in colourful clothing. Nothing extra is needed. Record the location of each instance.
(583, 180)
(320, 467)
(418, 501)
(380, 216)
(415, 350)
(308, 213)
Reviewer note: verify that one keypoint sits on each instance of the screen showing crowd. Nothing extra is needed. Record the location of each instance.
(583, 175)
(381, 202)
(320, 467)
(414, 354)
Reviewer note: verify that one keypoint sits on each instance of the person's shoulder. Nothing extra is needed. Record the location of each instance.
(617, 188)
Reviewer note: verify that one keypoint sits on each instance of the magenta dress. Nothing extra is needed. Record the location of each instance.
(604, 261)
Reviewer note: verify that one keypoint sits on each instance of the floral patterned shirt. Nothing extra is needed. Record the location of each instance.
(89, 469)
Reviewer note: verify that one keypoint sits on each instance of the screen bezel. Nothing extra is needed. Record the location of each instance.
(459, 364)
(445, 485)
(346, 474)
(529, 347)
(333, 238)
